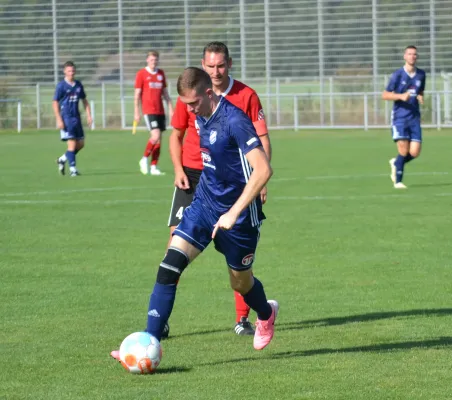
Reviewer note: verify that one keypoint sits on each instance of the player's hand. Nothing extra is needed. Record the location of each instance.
(420, 99)
(181, 181)
(264, 194)
(60, 123)
(89, 120)
(226, 222)
(405, 96)
(136, 117)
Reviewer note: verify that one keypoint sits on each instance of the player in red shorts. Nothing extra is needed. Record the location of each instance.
(186, 156)
(150, 88)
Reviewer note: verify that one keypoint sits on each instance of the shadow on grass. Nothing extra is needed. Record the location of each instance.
(375, 348)
(173, 370)
(419, 185)
(362, 318)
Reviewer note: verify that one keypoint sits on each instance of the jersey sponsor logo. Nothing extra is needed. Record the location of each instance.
(213, 137)
(260, 115)
(206, 159)
(155, 85)
(160, 77)
(248, 259)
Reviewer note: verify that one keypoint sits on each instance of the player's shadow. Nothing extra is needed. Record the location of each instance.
(173, 370)
(377, 348)
(362, 318)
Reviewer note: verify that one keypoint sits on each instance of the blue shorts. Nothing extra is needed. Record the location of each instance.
(407, 130)
(73, 129)
(238, 245)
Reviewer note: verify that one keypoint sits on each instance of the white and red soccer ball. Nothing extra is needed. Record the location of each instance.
(140, 353)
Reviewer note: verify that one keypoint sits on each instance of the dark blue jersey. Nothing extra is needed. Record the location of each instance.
(400, 82)
(68, 96)
(226, 137)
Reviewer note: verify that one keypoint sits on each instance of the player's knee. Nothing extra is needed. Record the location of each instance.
(172, 266)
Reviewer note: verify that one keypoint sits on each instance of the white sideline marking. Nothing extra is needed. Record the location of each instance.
(107, 189)
(371, 196)
(370, 175)
(104, 202)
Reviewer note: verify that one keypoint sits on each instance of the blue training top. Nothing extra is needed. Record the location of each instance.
(226, 137)
(68, 97)
(400, 82)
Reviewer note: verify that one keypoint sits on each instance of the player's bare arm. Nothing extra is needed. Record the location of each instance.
(265, 139)
(167, 98)
(175, 146)
(137, 103)
(420, 98)
(391, 96)
(262, 172)
(56, 110)
(89, 118)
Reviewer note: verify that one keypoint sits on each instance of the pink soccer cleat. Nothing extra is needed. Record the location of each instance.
(115, 355)
(266, 329)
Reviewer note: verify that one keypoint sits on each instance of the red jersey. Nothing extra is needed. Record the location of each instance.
(151, 85)
(237, 93)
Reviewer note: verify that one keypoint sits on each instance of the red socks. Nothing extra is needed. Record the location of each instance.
(155, 154)
(149, 147)
(241, 308)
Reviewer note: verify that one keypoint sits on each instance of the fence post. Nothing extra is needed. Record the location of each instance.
(366, 116)
(104, 117)
(38, 107)
(19, 116)
(295, 112)
(331, 101)
(278, 103)
(438, 111)
(93, 115)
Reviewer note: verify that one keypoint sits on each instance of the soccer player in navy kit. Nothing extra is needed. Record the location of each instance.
(226, 208)
(68, 92)
(406, 89)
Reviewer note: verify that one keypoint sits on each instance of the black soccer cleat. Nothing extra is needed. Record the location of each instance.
(244, 327)
(165, 332)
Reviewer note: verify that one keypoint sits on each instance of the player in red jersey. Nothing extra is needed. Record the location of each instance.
(186, 156)
(150, 88)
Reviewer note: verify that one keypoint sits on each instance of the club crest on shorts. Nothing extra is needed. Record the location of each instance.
(248, 259)
(213, 137)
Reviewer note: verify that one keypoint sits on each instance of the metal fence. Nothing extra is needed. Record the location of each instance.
(322, 55)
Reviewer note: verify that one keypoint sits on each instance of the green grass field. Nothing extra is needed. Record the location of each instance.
(362, 273)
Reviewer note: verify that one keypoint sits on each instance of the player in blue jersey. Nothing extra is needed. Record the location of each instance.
(226, 207)
(68, 92)
(406, 89)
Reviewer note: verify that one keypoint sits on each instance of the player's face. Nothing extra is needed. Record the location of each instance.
(410, 56)
(152, 61)
(69, 73)
(198, 104)
(217, 66)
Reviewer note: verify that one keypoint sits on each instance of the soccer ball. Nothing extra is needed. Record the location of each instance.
(140, 353)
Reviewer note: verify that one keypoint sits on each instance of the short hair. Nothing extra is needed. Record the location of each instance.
(154, 53)
(68, 64)
(410, 47)
(216, 47)
(193, 78)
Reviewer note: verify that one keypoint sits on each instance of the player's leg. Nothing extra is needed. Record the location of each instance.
(155, 153)
(190, 238)
(239, 247)
(402, 138)
(152, 125)
(178, 256)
